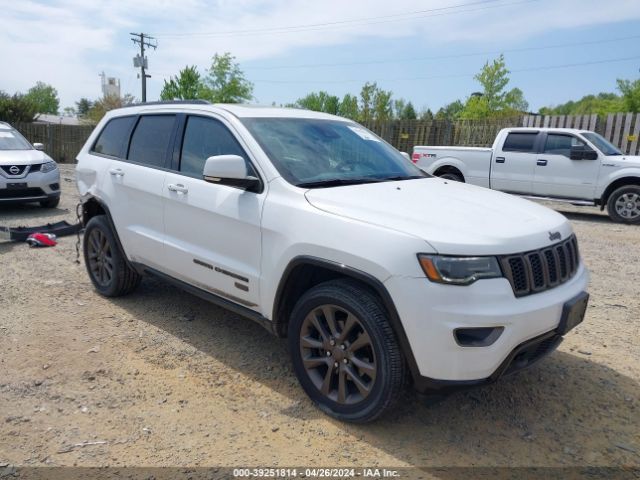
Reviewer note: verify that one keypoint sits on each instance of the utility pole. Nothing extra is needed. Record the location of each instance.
(143, 40)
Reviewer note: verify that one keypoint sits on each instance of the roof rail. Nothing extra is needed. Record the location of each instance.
(169, 102)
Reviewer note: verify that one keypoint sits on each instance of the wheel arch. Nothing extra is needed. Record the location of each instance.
(305, 272)
(92, 206)
(615, 184)
(449, 165)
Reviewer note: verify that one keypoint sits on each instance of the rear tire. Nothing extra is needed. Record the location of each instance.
(106, 264)
(623, 205)
(50, 203)
(344, 351)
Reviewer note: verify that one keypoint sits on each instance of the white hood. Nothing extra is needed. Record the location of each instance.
(454, 218)
(627, 160)
(23, 157)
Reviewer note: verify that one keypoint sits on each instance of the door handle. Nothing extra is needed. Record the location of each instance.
(116, 172)
(178, 188)
(500, 159)
(542, 163)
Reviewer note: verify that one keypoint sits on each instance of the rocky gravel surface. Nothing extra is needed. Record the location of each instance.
(162, 378)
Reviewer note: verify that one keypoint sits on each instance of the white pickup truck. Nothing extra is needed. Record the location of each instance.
(567, 165)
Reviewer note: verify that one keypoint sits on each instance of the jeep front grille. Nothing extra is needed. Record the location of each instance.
(540, 270)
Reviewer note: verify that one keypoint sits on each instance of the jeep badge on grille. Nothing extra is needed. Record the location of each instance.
(554, 236)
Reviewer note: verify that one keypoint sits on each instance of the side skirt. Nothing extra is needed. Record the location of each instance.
(210, 297)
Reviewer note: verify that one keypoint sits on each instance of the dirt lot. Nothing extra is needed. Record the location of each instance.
(164, 378)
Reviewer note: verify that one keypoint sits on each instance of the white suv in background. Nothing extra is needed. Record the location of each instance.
(321, 232)
(27, 174)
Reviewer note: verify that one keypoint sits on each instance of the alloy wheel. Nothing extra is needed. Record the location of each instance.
(628, 205)
(337, 354)
(100, 257)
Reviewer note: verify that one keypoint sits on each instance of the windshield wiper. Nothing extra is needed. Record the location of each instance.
(402, 177)
(336, 182)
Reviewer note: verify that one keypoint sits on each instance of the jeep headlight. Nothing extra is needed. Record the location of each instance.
(48, 167)
(459, 270)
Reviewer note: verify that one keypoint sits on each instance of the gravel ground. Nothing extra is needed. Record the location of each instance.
(162, 378)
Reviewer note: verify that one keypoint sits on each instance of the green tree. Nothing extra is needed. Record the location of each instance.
(349, 107)
(320, 102)
(399, 104)
(601, 104)
(494, 100)
(382, 109)
(187, 85)
(83, 106)
(450, 111)
(409, 113)
(108, 102)
(44, 97)
(630, 95)
(16, 108)
(367, 96)
(426, 114)
(225, 81)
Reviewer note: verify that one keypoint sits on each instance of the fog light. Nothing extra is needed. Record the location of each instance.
(477, 336)
(54, 186)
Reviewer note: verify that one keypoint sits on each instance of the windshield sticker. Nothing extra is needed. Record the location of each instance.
(6, 135)
(363, 134)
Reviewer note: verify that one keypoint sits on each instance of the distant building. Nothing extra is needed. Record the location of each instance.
(110, 86)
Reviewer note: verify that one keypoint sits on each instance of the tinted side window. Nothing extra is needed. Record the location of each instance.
(561, 144)
(114, 137)
(519, 142)
(150, 140)
(204, 138)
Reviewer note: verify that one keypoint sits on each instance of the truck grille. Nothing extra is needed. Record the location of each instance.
(540, 270)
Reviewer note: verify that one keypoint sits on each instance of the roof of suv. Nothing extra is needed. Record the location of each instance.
(237, 109)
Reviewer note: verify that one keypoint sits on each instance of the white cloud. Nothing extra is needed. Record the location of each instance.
(69, 42)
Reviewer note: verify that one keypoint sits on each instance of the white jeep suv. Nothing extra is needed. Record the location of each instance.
(27, 174)
(321, 232)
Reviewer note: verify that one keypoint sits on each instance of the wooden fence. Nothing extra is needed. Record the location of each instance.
(63, 142)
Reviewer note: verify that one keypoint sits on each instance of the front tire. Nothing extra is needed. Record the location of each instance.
(623, 205)
(106, 264)
(344, 351)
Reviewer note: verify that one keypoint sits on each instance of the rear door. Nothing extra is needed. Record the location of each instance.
(513, 165)
(133, 184)
(556, 175)
(213, 233)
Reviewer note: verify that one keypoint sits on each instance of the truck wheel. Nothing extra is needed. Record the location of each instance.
(106, 264)
(623, 205)
(452, 176)
(344, 351)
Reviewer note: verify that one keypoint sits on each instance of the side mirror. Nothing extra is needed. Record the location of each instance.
(38, 146)
(229, 170)
(406, 155)
(583, 153)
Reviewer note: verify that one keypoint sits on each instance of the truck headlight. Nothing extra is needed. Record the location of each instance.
(48, 167)
(459, 270)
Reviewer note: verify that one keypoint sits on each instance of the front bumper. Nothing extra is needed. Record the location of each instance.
(431, 312)
(34, 187)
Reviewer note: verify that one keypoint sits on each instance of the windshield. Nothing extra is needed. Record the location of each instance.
(320, 153)
(601, 143)
(12, 140)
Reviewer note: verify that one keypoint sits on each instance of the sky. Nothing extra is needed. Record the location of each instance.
(425, 51)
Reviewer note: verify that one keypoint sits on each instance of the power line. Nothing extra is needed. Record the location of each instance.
(462, 75)
(441, 57)
(354, 22)
(143, 40)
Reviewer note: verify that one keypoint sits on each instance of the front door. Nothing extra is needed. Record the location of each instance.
(213, 236)
(556, 175)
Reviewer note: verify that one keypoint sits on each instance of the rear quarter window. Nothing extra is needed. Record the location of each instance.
(520, 142)
(114, 137)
